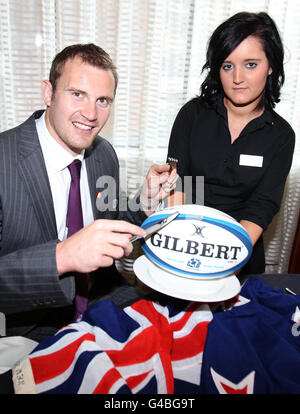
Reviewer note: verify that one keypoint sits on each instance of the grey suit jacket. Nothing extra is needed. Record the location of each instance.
(29, 283)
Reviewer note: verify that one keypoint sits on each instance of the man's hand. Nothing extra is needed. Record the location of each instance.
(96, 245)
(158, 185)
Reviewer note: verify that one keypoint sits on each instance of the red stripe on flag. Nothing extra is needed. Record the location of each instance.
(135, 380)
(51, 365)
(141, 348)
(155, 339)
(107, 381)
(230, 390)
(179, 324)
(191, 344)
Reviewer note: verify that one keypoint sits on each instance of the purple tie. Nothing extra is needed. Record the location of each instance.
(74, 223)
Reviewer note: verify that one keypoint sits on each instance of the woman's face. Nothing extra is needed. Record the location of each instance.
(244, 73)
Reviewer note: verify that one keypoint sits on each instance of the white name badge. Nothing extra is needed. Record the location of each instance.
(251, 160)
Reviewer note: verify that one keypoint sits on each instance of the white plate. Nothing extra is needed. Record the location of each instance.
(189, 289)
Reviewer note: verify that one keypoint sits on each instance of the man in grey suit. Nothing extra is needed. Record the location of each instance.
(38, 260)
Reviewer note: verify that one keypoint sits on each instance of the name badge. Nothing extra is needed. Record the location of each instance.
(251, 160)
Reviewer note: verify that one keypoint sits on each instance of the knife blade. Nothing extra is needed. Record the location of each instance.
(156, 227)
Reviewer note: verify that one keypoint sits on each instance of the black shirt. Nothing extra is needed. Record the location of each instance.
(245, 178)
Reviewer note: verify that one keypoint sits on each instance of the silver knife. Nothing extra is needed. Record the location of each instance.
(156, 227)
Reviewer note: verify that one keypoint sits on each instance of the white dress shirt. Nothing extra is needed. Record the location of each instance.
(57, 160)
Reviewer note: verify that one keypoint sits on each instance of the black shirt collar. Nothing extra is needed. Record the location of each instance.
(265, 118)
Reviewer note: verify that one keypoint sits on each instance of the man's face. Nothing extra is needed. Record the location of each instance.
(80, 105)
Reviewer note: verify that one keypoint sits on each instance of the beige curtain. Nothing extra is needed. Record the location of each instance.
(159, 49)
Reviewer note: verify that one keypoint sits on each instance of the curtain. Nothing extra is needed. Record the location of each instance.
(294, 264)
(159, 48)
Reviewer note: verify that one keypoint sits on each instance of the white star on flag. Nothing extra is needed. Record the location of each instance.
(224, 386)
(241, 301)
(232, 303)
(296, 315)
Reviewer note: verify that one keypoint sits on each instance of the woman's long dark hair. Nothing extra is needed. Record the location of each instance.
(227, 37)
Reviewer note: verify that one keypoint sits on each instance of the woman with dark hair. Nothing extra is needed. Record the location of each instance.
(231, 135)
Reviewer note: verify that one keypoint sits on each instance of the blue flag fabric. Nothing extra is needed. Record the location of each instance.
(255, 346)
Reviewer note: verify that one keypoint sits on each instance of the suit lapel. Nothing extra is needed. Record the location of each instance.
(33, 171)
(94, 171)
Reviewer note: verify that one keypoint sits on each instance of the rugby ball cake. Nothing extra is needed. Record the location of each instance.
(201, 243)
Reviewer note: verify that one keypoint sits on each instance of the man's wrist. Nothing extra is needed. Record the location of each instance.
(61, 265)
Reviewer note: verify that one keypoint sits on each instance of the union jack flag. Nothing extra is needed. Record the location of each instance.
(140, 349)
(147, 348)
